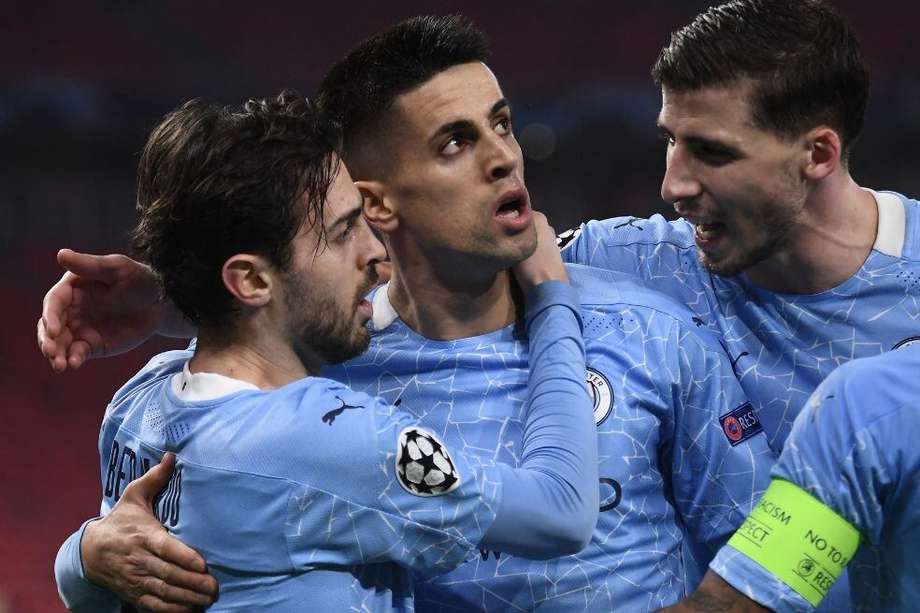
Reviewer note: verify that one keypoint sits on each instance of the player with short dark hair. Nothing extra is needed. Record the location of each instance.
(796, 266)
(682, 454)
(844, 496)
(300, 492)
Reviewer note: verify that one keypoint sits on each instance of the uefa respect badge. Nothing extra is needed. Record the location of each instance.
(740, 424)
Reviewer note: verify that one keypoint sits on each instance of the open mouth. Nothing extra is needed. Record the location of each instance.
(511, 209)
(710, 231)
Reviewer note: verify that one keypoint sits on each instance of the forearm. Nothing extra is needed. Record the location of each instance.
(76, 592)
(714, 595)
(549, 504)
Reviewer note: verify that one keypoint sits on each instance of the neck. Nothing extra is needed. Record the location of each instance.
(830, 242)
(261, 359)
(440, 306)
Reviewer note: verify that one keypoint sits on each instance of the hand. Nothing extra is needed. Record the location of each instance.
(130, 554)
(104, 305)
(546, 262)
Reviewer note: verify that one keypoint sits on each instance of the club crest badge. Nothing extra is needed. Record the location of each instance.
(601, 393)
(907, 342)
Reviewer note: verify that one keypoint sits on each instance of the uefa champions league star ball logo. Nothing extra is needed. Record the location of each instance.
(423, 465)
(601, 394)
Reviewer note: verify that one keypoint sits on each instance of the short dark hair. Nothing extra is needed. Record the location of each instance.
(215, 181)
(804, 62)
(361, 87)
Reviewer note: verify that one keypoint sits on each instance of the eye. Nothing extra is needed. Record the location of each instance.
(344, 234)
(503, 125)
(453, 146)
(714, 156)
(666, 138)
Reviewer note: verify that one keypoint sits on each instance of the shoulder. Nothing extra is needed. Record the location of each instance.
(159, 369)
(606, 293)
(624, 231)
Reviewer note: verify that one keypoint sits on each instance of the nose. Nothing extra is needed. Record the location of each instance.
(679, 184)
(503, 156)
(372, 250)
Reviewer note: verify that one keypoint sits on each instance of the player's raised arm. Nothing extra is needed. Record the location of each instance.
(104, 305)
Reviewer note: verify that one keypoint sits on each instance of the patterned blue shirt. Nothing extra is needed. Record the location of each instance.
(317, 497)
(854, 448)
(781, 345)
(681, 459)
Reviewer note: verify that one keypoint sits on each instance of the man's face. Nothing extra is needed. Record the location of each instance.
(325, 284)
(457, 178)
(739, 185)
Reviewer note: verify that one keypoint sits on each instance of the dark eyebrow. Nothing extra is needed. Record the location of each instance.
(464, 125)
(349, 215)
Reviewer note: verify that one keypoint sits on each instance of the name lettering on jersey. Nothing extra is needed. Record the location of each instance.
(907, 342)
(740, 424)
(423, 465)
(125, 465)
(166, 505)
(601, 394)
(329, 417)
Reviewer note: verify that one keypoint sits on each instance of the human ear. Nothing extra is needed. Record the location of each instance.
(379, 210)
(824, 148)
(248, 278)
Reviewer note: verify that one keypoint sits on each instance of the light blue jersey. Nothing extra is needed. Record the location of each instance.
(854, 448)
(317, 497)
(681, 456)
(781, 345)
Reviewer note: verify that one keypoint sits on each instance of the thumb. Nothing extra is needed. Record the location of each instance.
(146, 488)
(102, 268)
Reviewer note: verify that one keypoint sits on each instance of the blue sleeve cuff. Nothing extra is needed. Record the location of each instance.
(756, 582)
(75, 591)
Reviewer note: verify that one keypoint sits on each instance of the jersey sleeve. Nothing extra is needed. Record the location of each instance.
(653, 249)
(387, 489)
(75, 591)
(720, 459)
(845, 450)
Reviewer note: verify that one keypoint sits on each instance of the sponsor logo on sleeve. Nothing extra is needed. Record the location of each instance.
(740, 424)
(423, 465)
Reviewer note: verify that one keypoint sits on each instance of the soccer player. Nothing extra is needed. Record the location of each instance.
(845, 495)
(797, 267)
(300, 492)
(428, 133)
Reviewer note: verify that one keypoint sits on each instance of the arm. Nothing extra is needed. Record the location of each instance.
(549, 505)
(102, 306)
(714, 595)
(128, 555)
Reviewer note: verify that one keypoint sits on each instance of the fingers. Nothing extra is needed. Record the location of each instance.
(171, 550)
(170, 594)
(180, 585)
(52, 349)
(145, 489)
(55, 304)
(103, 268)
(149, 602)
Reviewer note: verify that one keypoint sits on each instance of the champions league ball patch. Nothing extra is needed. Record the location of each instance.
(423, 465)
(567, 237)
(741, 424)
(601, 394)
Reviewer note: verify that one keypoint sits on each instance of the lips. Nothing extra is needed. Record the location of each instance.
(512, 209)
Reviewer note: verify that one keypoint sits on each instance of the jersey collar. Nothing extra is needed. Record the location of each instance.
(892, 224)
